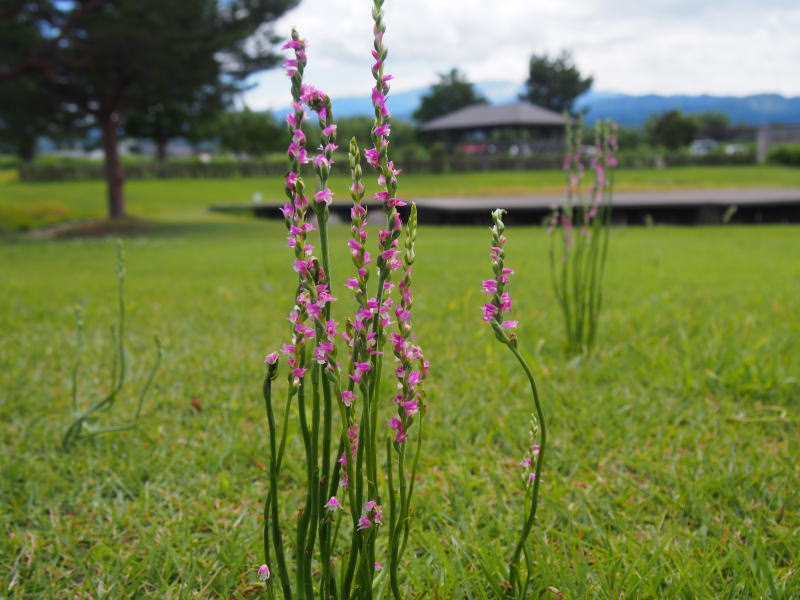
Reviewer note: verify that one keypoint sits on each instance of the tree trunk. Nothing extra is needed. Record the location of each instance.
(113, 167)
(26, 148)
(161, 150)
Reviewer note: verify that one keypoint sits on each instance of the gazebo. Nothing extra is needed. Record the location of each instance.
(516, 127)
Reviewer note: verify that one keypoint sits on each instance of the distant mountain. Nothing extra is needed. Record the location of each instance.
(632, 111)
(626, 109)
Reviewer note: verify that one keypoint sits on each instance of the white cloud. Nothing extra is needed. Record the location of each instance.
(735, 47)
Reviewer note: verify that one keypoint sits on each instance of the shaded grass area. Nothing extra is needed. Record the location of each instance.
(673, 468)
(29, 205)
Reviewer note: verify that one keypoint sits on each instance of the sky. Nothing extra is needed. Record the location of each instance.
(718, 47)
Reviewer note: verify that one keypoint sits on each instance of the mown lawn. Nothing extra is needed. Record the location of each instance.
(673, 468)
(24, 205)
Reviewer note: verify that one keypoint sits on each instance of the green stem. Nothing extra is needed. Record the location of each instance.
(526, 528)
(272, 498)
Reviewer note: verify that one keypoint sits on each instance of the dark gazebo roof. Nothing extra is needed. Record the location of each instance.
(514, 114)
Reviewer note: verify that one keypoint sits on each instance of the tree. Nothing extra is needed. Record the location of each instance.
(173, 118)
(251, 133)
(110, 58)
(671, 129)
(554, 83)
(714, 125)
(452, 92)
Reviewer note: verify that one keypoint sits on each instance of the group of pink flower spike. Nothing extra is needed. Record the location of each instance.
(314, 332)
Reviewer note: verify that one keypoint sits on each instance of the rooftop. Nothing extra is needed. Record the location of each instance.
(500, 115)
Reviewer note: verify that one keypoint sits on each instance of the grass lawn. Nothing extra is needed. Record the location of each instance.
(672, 470)
(25, 205)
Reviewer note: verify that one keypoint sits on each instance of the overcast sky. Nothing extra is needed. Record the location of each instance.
(720, 47)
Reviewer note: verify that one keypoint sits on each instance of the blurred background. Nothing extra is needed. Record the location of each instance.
(124, 90)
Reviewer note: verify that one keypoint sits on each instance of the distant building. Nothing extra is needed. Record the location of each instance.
(515, 128)
(702, 147)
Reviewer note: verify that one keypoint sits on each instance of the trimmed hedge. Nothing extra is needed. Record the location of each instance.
(412, 159)
(788, 154)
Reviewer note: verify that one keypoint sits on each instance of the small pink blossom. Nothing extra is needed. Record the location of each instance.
(348, 398)
(333, 504)
(263, 572)
(324, 196)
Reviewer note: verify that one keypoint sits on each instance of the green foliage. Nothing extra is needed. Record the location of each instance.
(671, 129)
(554, 83)
(451, 92)
(788, 154)
(630, 138)
(714, 125)
(251, 133)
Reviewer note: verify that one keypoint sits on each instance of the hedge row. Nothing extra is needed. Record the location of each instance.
(788, 154)
(411, 159)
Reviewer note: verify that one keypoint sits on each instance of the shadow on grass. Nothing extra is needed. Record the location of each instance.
(132, 227)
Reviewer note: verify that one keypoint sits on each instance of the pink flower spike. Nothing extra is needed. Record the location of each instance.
(263, 572)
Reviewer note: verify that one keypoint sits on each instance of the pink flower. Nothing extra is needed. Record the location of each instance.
(348, 398)
(489, 311)
(333, 504)
(271, 358)
(509, 324)
(329, 130)
(364, 523)
(263, 572)
(489, 286)
(291, 178)
(294, 45)
(324, 196)
(302, 266)
(394, 202)
(382, 130)
(397, 425)
(505, 302)
(373, 157)
(378, 566)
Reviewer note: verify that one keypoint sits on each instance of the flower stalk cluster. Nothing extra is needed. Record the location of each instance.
(84, 422)
(504, 330)
(577, 264)
(333, 369)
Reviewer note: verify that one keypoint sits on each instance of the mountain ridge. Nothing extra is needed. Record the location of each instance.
(626, 109)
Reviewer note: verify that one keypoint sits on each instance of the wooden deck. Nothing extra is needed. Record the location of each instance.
(709, 206)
